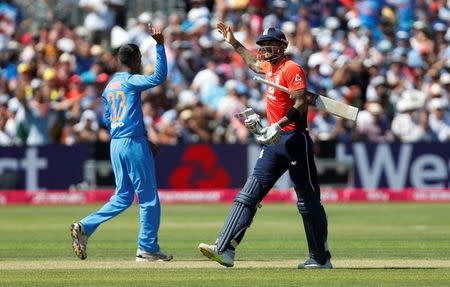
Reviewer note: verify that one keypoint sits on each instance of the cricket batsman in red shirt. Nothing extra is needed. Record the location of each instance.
(286, 146)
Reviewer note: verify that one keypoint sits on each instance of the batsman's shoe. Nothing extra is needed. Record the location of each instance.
(225, 258)
(142, 256)
(79, 240)
(311, 263)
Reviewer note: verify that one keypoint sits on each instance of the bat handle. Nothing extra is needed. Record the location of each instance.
(311, 98)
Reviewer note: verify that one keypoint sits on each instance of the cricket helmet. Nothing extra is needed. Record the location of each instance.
(270, 53)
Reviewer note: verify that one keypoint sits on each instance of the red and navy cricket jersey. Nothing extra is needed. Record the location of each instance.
(290, 75)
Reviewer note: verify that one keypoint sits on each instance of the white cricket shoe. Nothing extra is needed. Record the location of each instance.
(311, 263)
(79, 240)
(142, 256)
(225, 258)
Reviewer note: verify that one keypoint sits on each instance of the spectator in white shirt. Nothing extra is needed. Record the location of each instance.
(406, 124)
(99, 19)
(439, 118)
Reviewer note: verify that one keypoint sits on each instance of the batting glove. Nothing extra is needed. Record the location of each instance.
(270, 135)
(253, 124)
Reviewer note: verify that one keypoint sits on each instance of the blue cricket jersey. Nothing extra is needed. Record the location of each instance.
(122, 98)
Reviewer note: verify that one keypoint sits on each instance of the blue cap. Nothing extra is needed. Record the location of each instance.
(271, 34)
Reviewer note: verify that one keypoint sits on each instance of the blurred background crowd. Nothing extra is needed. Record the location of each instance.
(389, 58)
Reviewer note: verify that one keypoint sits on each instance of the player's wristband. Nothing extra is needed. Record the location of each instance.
(293, 114)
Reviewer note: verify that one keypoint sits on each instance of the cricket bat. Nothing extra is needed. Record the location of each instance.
(320, 102)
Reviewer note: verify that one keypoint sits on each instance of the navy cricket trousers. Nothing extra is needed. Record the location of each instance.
(294, 152)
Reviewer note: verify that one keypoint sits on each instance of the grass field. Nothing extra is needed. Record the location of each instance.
(372, 245)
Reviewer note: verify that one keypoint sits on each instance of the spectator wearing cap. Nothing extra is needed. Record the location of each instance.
(194, 125)
(197, 11)
(443, 11)
(439, 118)
(377, 126)
(402, 40)
(333, 27)
(314, 77)
(11, 56)
(49, 85)
(416, 69)
(186, 134)
(277, 17)
(397, 67)
(434, 90)
(439, 30)
(168, 132)
(406, 125)
(356, 36)
(197, 16)
(173, 28)
(395, 86)
(444, 80)
(86, 130)
(289, 29)
(323, 126)
(377, 92)
(98, 21)
(10, 16)
(138, 34)
(24, 78)
(65, 68)
(420, 40)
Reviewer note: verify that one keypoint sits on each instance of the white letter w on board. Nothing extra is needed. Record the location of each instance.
(371, 170)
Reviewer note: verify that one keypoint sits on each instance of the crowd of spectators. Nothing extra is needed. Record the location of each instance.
(389, 58)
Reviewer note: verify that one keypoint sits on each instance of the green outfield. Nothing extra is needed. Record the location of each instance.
(372, 245)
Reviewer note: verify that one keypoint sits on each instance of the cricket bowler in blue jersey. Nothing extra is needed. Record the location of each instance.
(132, 161)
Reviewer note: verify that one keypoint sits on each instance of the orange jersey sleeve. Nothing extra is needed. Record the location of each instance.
(294, 77)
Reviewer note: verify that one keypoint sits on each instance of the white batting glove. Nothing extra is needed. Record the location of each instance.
(253, 124)
(270, 135)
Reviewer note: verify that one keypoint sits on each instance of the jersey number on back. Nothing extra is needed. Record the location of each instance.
(117, 101)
